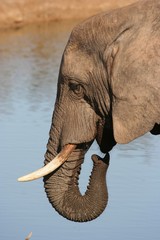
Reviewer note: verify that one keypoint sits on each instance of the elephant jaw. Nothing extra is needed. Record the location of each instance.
(51, 166)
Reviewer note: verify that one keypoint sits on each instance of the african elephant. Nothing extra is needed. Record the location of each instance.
(108, 90)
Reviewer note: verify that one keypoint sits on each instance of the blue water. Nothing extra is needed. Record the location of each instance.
(29, 63)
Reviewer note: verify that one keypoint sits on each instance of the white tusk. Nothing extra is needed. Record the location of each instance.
(51, 166)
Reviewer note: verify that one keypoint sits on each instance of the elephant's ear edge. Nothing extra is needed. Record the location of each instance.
(131, 122)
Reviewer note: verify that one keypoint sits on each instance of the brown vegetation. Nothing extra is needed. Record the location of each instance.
(29, 236)
(17, 13)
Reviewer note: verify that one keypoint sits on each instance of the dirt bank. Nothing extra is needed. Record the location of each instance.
(17, 13)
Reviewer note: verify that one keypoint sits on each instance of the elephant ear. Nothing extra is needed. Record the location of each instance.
(136, 98)
(134, 113)
(132, 60)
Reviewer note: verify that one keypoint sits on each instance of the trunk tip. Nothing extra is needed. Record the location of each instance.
(97, 159)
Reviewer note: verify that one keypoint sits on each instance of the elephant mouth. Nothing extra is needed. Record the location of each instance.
(55, 162)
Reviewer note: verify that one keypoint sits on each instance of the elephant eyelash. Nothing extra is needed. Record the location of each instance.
(76, 88)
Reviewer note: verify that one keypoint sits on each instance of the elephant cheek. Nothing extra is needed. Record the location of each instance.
(80, 126)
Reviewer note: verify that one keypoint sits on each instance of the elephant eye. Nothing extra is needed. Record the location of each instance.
(76, 88)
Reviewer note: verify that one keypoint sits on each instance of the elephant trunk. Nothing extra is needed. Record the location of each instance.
(63, 191)
(61, 185)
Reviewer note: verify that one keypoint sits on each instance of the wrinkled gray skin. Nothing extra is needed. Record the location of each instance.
(109, 90)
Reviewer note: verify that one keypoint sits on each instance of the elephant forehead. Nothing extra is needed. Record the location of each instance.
(76, 65)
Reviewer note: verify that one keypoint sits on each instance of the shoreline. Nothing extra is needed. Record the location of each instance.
(18, 13)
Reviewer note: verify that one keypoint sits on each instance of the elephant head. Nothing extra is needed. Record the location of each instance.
(108, 90)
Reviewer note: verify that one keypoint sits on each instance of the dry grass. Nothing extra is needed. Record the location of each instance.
(29, 236)
(17, 13)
